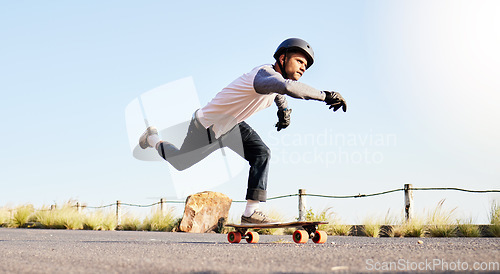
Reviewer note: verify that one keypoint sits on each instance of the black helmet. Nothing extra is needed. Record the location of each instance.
(296, 43)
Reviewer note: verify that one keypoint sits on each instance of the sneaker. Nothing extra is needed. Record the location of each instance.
(143, 141)
(257, 217)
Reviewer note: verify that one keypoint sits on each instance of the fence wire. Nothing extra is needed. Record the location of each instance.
(457, 189)
(360, 195)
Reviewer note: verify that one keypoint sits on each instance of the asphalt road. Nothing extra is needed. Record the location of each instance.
(64, 251)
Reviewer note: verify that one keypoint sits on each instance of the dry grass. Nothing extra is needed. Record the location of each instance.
(334, 226)
(100, 220)
(4, 216)
(392, 223)
(468, 229)
(130, 223)
(440, 222)
(371, 227)
(415, 227)
(65, 217)
(22, 215)
(495, 220)
(339, 229)
(161, 222)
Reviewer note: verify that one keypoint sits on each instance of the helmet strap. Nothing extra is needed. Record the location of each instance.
(282, 66)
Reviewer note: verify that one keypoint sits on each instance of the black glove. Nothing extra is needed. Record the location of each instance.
(335, 101)
(283, 118)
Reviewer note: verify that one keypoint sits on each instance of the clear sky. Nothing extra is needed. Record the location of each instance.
(420, 78)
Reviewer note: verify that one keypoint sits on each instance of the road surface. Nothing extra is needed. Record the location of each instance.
(65, 251)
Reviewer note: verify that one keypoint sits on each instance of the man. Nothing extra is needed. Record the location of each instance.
(222, 121)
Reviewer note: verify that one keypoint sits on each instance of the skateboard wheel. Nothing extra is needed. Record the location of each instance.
(300, 236)
(234, 237)
(252, 237)
(320, 237)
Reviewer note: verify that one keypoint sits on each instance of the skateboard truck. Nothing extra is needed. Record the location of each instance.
(311, 230)
(235, 237)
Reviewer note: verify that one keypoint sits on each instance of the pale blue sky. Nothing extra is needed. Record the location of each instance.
(420, 78)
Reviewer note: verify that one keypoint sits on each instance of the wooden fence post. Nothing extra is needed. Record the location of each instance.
(163, 208)
(302, 205)
(78, 207)
(408, 201)
(118, 212)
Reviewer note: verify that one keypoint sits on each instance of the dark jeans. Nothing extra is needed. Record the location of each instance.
(242, 139)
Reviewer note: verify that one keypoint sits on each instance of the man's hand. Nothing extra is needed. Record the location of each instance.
(283, 118)
(335, 101)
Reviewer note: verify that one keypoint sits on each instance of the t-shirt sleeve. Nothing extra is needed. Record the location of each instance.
(267, 81)
(281, 102)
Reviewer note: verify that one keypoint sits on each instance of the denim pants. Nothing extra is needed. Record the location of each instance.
(242, 139)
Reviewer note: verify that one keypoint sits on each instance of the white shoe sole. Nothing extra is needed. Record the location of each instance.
(143, 140)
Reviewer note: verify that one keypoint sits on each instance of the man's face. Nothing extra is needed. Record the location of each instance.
(296, 65)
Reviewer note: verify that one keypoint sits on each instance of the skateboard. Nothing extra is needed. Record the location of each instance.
(306, 230)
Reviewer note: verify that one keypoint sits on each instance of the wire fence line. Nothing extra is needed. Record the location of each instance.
(136, 205)
(396, 190)
(458, 189)
(408, 190)
(312, 195)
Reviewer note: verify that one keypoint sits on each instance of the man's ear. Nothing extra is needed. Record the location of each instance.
(282, 59)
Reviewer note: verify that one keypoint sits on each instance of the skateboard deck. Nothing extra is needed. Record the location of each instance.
(307, 229)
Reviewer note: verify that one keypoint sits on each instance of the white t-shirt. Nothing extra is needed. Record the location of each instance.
(240, 99)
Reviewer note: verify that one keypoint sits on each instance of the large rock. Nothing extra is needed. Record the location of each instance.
(205, 212)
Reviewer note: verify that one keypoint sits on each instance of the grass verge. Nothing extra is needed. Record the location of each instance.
(100, 220)
(161, 222)
(440, 222)
(371, 227)
(65, 217)
(495, 220)
(334, 226)
(130, 223)
(4, 216)
(22, 216)
(468, 229)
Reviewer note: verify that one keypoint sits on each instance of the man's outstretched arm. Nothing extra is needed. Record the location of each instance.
(269, 81)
